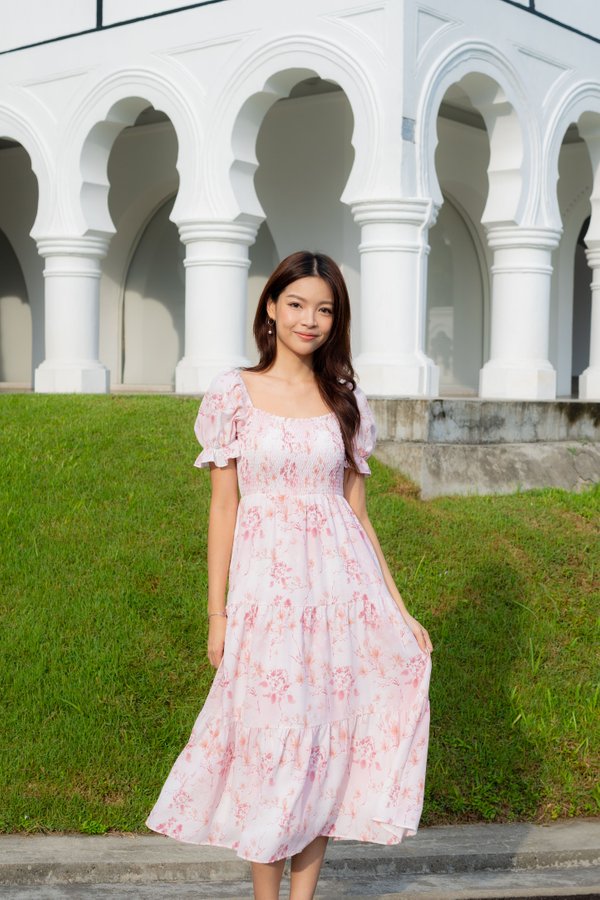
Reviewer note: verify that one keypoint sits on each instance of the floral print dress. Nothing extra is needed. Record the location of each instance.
(317, 721)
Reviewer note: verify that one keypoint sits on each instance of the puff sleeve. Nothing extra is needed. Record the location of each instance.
(215, 425)
(366, 436)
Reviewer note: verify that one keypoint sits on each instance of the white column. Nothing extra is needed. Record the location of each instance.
(71, 309)
(518, 368)
(216, 289)
(589, 380)
(393, 262)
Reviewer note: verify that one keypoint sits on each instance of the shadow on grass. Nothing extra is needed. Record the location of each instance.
(482, 764)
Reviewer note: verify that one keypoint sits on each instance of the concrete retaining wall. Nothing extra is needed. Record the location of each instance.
(464, 446)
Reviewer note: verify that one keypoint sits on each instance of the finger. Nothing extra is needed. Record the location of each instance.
(424, 642)
(420, 640)
(427, 639)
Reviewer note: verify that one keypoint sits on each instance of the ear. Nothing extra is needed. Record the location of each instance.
(271, 307)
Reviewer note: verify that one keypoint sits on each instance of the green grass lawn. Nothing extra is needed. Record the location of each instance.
(103, 597)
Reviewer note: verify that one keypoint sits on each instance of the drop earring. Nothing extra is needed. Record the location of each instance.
(270, 322)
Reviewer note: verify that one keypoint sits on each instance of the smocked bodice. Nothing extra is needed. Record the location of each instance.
(276, 455)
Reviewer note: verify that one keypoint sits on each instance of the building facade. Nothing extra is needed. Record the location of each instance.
(158, 159)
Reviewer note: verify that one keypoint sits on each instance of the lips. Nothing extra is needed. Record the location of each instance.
(306, 336)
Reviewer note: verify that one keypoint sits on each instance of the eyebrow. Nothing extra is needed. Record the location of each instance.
(298, 297)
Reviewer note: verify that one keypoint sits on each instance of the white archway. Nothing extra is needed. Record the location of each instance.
(256, 83)
(581, 105)
(99, 115)
(518, 367)
(495, 90)
(75, 238)
(26, 121)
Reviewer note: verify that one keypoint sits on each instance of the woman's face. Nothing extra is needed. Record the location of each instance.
(303, 315)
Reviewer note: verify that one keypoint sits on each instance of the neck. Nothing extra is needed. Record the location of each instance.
(290, 367)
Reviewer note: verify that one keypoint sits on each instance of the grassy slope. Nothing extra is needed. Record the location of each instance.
(102, 591)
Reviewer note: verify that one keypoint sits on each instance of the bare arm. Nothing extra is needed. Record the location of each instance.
(224, 502)
(354, 492)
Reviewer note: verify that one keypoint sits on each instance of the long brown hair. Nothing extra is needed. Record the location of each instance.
(332, 362)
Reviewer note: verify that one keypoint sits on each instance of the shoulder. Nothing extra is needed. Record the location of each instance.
(225, 381)
(226, 390)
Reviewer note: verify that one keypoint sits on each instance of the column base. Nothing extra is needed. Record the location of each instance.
(503, 382)
(589, 384)
(193, 376)
(411, 377)
(85, 377)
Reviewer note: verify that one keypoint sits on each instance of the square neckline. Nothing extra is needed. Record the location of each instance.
(275, 415)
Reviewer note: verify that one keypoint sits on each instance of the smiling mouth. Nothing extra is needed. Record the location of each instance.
(302, 334)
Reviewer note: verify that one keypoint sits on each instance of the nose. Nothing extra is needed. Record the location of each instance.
(309, 318)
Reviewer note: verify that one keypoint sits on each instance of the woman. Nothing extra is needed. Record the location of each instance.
(317, 721)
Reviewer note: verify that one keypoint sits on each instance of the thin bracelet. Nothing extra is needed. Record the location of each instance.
(224, 613)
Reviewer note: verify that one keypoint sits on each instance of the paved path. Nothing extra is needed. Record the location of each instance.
(462, 862)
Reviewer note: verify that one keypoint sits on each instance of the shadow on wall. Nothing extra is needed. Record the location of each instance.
(263, 260)
(486, 764)
(15, 319)
(154, 304)
(455, 304)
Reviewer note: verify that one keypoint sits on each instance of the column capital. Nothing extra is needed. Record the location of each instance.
(240, 231)
(501, 237)
(403, 210)
(91, 246)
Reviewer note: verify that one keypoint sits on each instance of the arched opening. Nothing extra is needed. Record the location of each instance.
(263, 259)
(454, 335)
(15, 319)
(21, 279)
(305, 156)
(570, 318)
(142, 298)
(154, 305)
(582, 310)
(458, 285)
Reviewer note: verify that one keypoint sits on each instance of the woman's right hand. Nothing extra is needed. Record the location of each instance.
(217, 626)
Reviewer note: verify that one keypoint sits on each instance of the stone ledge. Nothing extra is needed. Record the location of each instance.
(474, 421)
(443, 469)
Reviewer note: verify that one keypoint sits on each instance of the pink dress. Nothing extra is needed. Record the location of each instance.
(317, 721)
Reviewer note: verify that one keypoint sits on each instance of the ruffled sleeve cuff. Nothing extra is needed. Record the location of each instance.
(216, 423)
(217, 455)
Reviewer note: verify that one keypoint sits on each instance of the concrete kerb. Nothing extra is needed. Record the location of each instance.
(144, 859)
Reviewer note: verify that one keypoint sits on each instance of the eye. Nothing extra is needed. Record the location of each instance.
(326, 309)
(293, 303)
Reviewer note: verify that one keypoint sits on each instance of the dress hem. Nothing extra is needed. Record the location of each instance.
(410, 831)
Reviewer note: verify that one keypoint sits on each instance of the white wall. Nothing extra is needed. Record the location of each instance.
(29, 21)
(582, 14)
(121, 10)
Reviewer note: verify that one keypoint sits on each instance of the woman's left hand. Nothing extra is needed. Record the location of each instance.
(421, 634)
